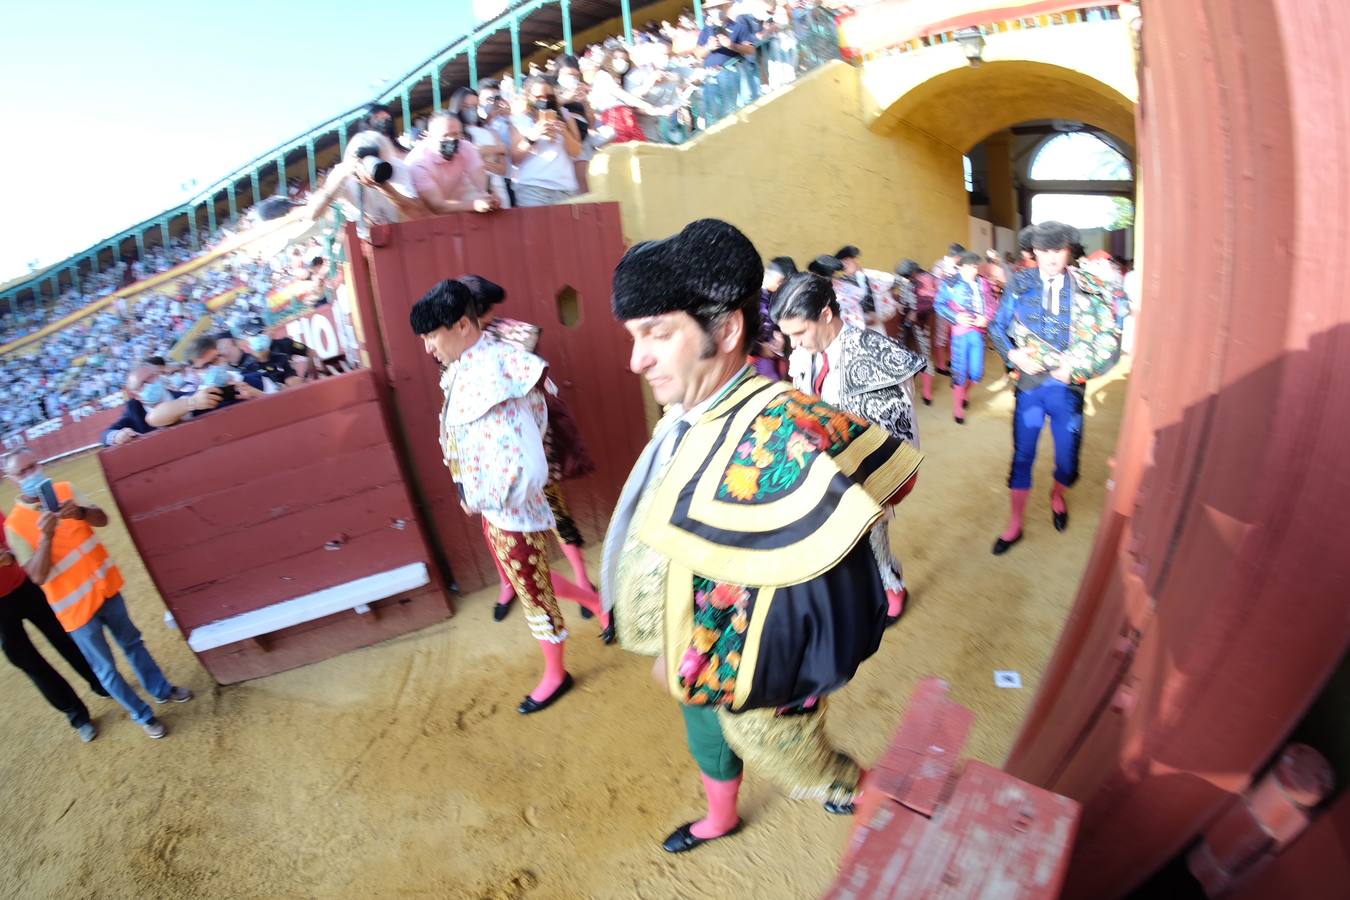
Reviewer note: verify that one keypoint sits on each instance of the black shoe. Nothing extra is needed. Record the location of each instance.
(960, 420)
(586, 613)
(531, 705)
(501, 610)
(607, 636)
(927, 401)
(840, 809)
(682, 839)
(1001, 546)
(1061, 519)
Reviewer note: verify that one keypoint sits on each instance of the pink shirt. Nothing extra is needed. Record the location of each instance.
(455, 178)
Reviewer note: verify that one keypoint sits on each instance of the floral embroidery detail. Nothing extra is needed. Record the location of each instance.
(709, 666)
(742, 482)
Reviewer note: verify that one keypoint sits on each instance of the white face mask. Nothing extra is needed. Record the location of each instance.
(567, 82)
(620, 66)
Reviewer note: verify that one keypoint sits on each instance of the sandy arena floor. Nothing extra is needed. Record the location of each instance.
(403, 770)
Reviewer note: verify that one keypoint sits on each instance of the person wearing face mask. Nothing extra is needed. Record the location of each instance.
(380, 120)
(448, 171)
(209, 372)
(282, 361)
(60, 551)
(21, 600)
(475, 115)
(151, 404)
(617, 107)
(545, 141)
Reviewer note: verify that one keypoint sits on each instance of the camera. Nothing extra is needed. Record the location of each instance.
(379, 170)
(449, 147)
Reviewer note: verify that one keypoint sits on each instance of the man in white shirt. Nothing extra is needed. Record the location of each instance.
(356, 181)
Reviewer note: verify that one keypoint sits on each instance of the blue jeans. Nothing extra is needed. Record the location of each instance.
(92, 643)
(1063, 405)
(967, 357)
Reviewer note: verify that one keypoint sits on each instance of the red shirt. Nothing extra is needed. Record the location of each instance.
(12, 576)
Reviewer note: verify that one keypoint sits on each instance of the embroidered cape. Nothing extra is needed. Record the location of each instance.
(772, 596)
(1092, 343)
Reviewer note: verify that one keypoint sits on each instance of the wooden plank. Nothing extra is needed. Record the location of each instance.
(371, 509)
(324, 638)
(271, 582)
(922, 759)
(237, 422)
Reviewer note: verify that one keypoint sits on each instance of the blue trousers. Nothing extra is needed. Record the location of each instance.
(94, 645)
(967, 357)
(1063, 406)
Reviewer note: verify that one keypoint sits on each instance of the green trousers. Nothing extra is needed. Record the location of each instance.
(708, 745)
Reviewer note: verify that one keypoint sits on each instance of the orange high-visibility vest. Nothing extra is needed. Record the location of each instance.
(82, 576)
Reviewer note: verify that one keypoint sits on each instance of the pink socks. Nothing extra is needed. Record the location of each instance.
(721, 816)
(927, 381)
(1019, 509)
(1057, 502)
(573, 554)
(554, 671)
(895, 602)
(959, 402)
(589, 599)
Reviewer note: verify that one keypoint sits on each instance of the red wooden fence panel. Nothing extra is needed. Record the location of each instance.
(270, 500)
(536, 255)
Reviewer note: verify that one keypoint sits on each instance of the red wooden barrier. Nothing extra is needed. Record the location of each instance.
(271, 500)
(537, 255)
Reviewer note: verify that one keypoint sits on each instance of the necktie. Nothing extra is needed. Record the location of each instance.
(1052, 296)
(681, 428)
(819, 383)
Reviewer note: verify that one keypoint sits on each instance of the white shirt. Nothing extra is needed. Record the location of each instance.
(691, 416)
(548, 165)
(804, 366)
(1050, 293)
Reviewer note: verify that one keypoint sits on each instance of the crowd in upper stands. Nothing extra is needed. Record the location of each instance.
(491, 148)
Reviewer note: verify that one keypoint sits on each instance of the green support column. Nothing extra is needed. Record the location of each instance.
(281, 176)
(627, 22)
(313, 169)
(698, 13)
(567, 26)
(473, 65)
(234, 204)
(257, 191)
(192, 227)
(211, 216)
(436, 86)
(140, 245)
(515, 50)
(407, 110)
(93, 263)
(164, 233)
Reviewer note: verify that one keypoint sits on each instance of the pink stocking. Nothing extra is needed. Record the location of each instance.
(721, 816)
(589, 599)
(573, 554)
(1019, 509)
(1057, 501)
(554, 671)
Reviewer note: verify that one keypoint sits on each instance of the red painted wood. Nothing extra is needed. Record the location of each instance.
(1221, 541)
(922, 760)
(238, 510)
(323, 638)
(533, 253)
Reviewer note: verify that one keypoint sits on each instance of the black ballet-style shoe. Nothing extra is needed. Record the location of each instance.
(960, 420)
(586, 613)
(840, 809)
(1061, 519)
(607, 635)
(927, 401)
(501, 610)
(683, 839)
(1001, 546)
(531, 705)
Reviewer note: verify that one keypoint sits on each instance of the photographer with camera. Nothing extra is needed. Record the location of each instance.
(151, 404)
(545, 141)
(447, 170)
(282, 361)
(727, 45)
(373, 179)
(210, 371)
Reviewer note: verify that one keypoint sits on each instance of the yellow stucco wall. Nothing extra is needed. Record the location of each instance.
(1083, 72)
(802, 174)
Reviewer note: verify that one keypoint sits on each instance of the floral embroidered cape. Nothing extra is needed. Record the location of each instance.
(762, 514)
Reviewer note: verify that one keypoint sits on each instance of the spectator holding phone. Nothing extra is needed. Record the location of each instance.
(20, 599)
(50, 532)
(545, 141)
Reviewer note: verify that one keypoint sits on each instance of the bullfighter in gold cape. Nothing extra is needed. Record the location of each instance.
(738, 553)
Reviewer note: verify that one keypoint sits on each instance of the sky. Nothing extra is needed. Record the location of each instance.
(110, 107)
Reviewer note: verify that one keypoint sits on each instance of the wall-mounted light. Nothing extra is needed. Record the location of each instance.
(972, 44)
